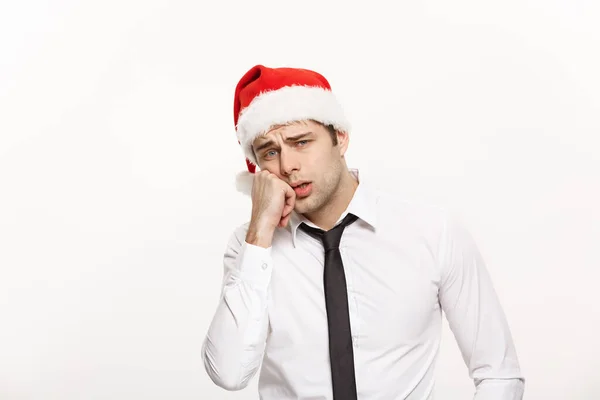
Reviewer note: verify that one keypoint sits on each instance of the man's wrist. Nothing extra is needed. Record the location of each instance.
(262, 237)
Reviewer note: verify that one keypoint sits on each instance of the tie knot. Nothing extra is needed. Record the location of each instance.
(331, 239)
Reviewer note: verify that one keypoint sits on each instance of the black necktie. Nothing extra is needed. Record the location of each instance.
(338, 319)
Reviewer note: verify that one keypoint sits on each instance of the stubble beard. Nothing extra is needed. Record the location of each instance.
(323, 195)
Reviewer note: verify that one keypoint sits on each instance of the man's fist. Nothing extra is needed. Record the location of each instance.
(273, 201)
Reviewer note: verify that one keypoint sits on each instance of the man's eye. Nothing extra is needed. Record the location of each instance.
(302, 142)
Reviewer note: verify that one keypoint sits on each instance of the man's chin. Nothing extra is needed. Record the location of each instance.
(301, 207)
(305, 205)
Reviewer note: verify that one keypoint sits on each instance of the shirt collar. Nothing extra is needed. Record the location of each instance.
(363, 205)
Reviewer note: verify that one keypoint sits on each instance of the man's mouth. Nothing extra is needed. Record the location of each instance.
(303, 189)
(299, 184)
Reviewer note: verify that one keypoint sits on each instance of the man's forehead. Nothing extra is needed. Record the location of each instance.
(286, 131)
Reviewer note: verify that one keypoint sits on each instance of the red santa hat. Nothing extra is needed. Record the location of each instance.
(265, 97)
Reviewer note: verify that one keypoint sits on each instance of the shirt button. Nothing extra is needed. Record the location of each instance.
(264, 266)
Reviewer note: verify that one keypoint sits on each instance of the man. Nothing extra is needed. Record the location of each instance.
(335, 289)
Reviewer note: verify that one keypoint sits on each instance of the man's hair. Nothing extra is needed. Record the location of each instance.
(332, 132)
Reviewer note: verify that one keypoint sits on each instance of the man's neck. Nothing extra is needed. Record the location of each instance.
(327, 217)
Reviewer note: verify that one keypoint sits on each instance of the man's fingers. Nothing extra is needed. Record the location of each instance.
(287, 209)
(284, 221)
(290, 201)
(290, 195)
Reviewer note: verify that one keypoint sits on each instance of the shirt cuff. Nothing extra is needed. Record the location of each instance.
(255, 265)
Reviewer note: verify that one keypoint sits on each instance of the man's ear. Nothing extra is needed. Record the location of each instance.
(343, 141)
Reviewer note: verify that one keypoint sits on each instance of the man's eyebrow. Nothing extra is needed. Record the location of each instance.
(264, 145)
(289, 139)
(298, 137)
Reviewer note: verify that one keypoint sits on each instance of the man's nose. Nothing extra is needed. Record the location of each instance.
(289, 162)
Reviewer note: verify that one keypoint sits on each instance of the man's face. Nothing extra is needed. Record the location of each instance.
(304, 152)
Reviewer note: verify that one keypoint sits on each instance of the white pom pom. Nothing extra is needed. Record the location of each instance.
(244, 181)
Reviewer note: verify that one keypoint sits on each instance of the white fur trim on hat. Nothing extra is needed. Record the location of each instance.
(290, 103)
(244, 181)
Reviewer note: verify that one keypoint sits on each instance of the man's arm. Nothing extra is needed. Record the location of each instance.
(476, 318)
(235, 342)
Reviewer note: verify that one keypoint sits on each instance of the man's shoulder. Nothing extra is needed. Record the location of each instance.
(408, 220)
(402, 209)
(393, 203)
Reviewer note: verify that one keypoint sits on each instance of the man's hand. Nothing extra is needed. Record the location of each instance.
(273, 201)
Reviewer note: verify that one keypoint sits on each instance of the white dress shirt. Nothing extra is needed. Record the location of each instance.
(405, 264)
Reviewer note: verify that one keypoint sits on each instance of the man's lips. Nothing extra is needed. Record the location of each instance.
(298, 183)
(303, 189)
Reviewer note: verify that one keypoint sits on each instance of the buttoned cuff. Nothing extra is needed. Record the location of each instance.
(255, 265)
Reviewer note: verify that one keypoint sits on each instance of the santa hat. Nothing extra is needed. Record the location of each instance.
(265, 97)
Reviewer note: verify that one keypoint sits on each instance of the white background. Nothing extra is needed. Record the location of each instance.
(118, 158)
